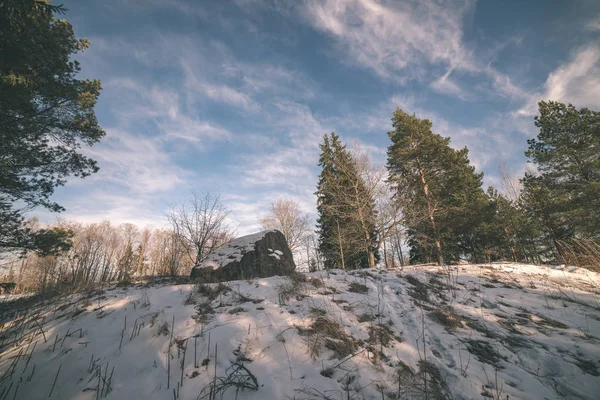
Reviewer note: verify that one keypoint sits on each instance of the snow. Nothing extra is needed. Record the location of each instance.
(232, 251)
(524, 331)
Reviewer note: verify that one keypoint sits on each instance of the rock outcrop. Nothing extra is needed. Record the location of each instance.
(261, 255)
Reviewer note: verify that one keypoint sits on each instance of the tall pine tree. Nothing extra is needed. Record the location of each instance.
(566, 153)
(438, 190)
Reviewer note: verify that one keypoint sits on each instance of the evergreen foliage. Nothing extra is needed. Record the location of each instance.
(346, 222)
(46, 114)
(565, 197)
(439, 192)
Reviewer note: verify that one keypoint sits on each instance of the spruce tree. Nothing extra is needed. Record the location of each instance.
(346, 223)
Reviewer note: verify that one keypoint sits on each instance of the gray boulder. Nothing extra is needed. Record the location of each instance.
(259, 255)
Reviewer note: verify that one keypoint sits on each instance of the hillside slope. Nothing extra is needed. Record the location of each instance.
(490, 331)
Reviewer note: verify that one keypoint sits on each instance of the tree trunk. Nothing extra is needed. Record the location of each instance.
(385, 255)
(340, 244)
(431, 215)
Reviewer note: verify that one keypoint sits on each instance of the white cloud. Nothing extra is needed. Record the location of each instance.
(576, 82)
(388, 37)
(225, 94)
(164, 108)
(409, 40)
(137, 162)
(593, 24)
(447, 86)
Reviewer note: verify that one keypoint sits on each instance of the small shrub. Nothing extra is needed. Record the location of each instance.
(236, 310)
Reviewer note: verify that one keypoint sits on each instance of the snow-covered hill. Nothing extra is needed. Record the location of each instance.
(467, 332)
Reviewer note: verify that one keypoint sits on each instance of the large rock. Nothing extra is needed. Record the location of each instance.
(261, 255)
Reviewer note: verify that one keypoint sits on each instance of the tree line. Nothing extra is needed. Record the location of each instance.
(439, 206)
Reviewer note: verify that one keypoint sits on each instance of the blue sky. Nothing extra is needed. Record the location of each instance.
(233, 97)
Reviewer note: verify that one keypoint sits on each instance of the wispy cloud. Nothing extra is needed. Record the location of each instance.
(411, 40)
(138, 163)
(577, 82)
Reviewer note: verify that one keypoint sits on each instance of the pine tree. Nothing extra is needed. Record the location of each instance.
(439, 191)
(46, 114)
(546, 208)
(566, 153)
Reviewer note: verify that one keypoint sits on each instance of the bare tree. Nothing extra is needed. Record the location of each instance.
(201, 224)
(287, 217)
(388, 216)
(511, 187)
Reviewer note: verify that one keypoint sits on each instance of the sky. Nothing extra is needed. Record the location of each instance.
(233, 97)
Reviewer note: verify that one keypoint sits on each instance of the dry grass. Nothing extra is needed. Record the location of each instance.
(382, 334)
(583, 253)
(331, 335)
(292, 287)
(484, 352)
(316, 282)
(447, 317)
(163, 329)
(212, 291)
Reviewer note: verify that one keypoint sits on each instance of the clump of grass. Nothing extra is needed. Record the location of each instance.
(297, 277)
(484, 352)
(356, 287)
(316, 282)
(163, 329)
(203, 312)
(190, 299)
(292, 287)
(317, 312)
(327, 372)
(546, 321)
(211, 291)
(447, 317)
(426, 383)
(86, 302)
(382, 334)
(236, 310)
(482, 328)
(328, 333)
(366, 317)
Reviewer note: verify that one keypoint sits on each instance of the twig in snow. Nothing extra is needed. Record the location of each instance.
(55, 378)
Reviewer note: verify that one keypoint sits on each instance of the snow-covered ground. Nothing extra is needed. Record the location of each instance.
(466, 332)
